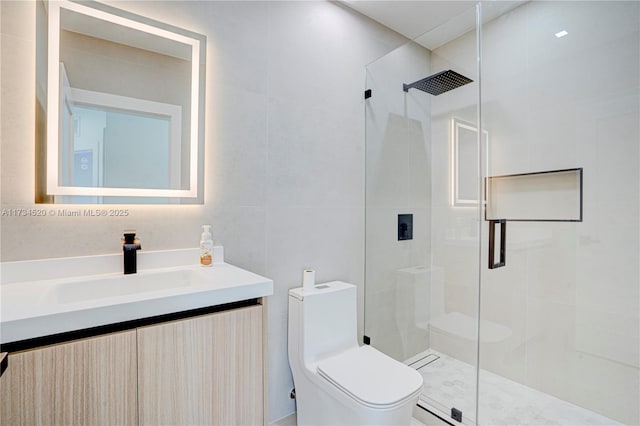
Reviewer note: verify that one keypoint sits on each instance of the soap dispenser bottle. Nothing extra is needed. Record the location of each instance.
(206, 246)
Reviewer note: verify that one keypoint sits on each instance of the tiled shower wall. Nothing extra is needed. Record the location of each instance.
(570, 292)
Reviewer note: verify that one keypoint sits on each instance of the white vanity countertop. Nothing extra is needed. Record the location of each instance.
(32, 306)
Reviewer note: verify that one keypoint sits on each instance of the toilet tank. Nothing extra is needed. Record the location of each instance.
(327, 319)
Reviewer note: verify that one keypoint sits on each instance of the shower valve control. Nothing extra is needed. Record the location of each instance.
(405, 227)
(456, 414)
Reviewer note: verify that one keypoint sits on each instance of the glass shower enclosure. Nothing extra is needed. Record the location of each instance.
(502, 213)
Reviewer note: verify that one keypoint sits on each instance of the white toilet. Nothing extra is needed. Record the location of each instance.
(338, 382)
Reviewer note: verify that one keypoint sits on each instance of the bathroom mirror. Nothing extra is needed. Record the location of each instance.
(124, 107)
(464, 162)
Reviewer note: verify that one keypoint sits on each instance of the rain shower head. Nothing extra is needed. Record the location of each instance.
(439, 83)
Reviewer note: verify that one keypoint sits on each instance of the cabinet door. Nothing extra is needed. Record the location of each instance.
(202, 371)
(86, 382)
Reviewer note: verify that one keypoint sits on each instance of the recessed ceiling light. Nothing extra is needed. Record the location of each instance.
(561, 33)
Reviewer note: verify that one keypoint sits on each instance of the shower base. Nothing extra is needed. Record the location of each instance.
(502, 401)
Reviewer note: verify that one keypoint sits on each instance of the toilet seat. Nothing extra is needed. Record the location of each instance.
(371, 378)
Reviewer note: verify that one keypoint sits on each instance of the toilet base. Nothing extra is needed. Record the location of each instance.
(320, 407)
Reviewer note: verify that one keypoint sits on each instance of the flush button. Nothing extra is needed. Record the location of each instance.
(405, 227)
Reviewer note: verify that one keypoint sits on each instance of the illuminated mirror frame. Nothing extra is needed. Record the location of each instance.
(55, 88)
(455, 166)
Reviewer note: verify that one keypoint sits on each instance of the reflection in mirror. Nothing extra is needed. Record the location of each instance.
(124, 108)
(465, 176)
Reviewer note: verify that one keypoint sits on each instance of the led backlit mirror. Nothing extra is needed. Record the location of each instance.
(124, 107)
(464, 162)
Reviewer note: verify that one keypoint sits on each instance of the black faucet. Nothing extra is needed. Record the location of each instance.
(130, 247)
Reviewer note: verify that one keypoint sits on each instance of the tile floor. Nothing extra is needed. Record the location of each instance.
(290, 420)
(451, 383)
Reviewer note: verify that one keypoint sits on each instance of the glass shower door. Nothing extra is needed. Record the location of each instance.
(422, 232)
(559, 321)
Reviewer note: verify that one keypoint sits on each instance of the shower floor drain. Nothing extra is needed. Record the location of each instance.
(423, 362)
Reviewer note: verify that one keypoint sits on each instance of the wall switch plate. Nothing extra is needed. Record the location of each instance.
(405, 227)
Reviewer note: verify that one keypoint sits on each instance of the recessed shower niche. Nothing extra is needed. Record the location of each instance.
(123, 97)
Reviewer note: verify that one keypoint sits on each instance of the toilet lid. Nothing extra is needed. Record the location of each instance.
(371, 377)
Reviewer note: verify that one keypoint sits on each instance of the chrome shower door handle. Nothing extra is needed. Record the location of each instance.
(492, 243)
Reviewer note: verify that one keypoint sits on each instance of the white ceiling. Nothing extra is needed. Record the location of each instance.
(410, 18)
(431, 22)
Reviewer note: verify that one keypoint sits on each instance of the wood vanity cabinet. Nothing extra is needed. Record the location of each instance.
(89, 382)
(203, 370)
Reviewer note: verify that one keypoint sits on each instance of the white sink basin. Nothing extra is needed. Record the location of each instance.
(121, 285)
(33, 306)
